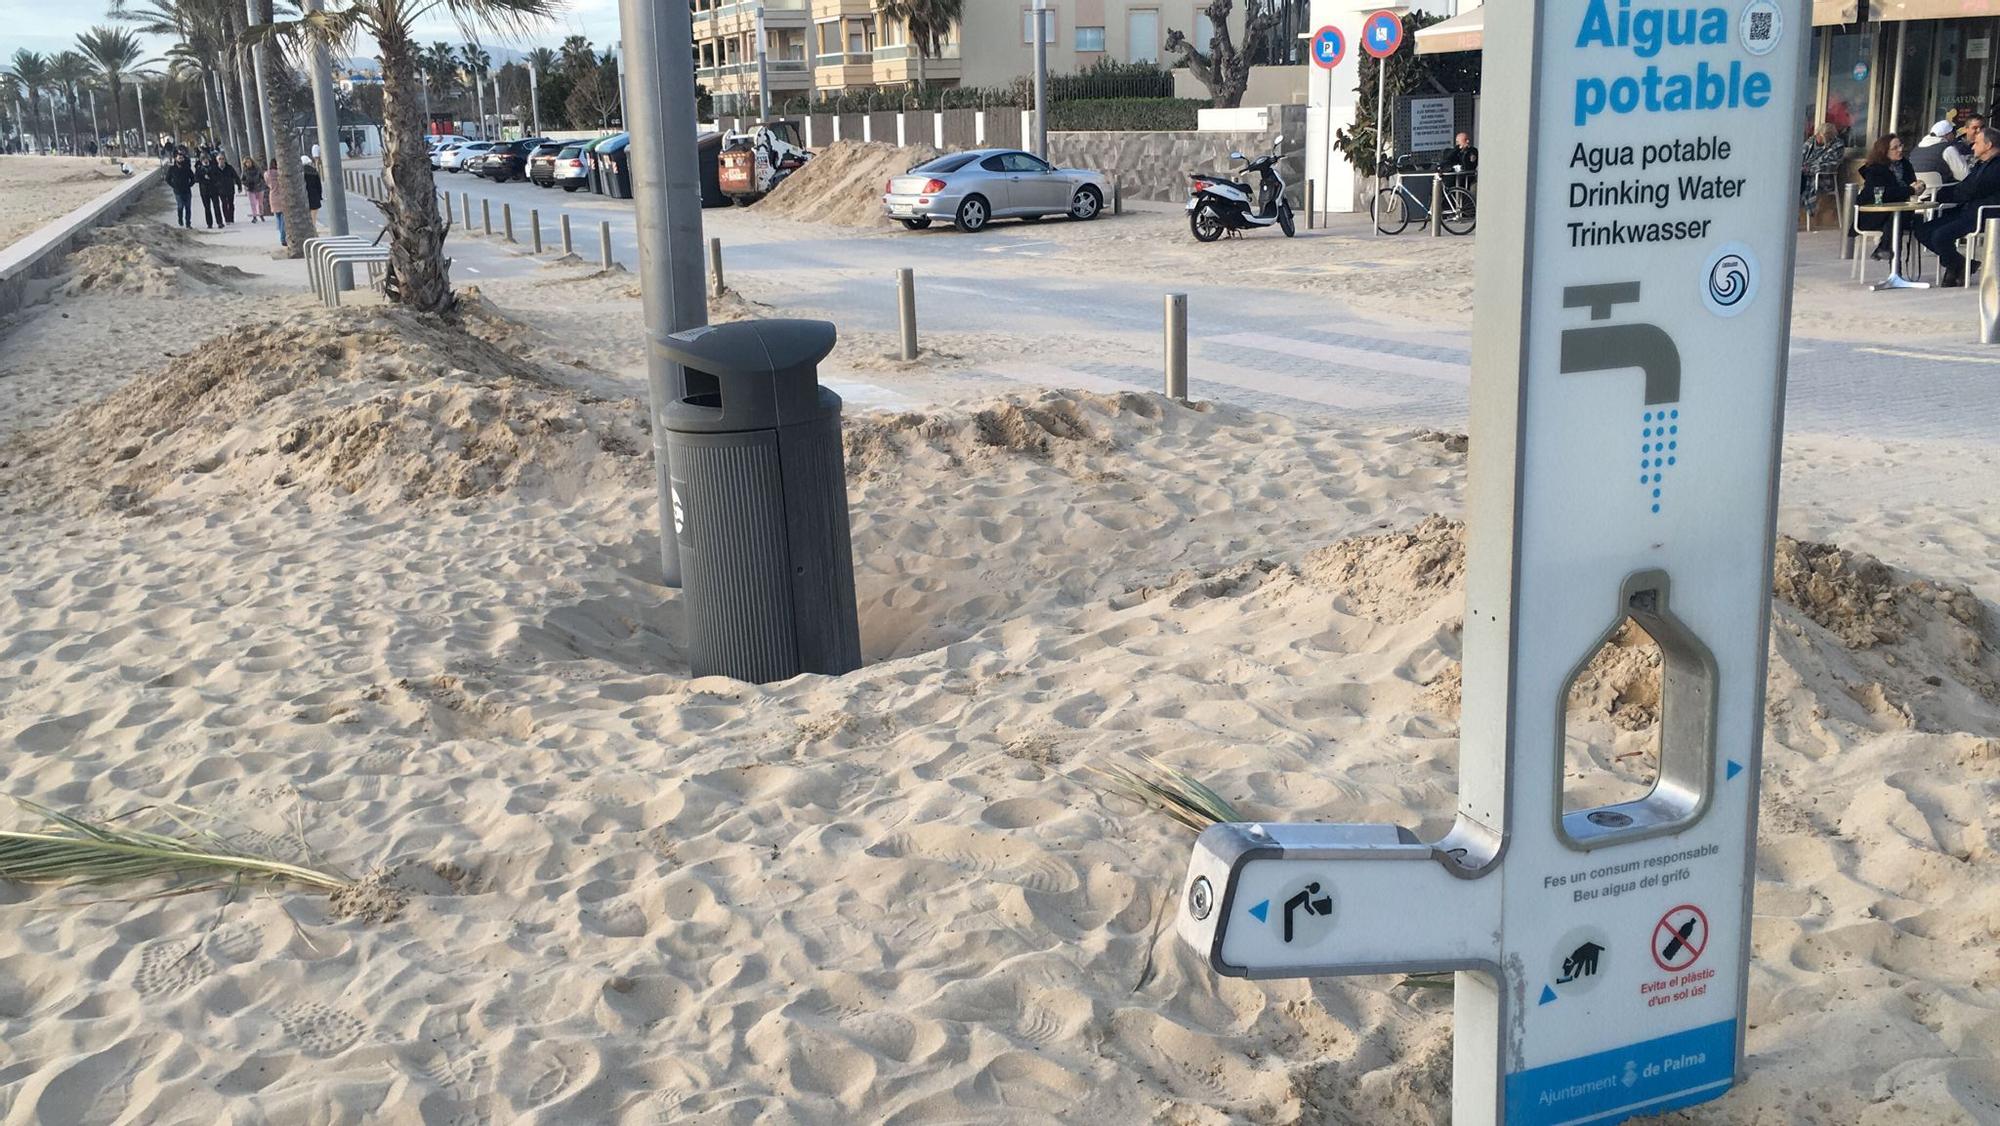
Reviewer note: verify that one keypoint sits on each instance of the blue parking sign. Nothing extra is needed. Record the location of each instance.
(1381, 34)
(1329, 47)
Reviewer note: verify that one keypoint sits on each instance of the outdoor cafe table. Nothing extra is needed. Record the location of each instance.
(1895, 212)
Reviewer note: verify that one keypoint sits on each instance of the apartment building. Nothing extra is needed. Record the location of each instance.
(833, 45)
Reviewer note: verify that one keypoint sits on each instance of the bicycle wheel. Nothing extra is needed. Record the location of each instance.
(1458, 217)
(1390, 218)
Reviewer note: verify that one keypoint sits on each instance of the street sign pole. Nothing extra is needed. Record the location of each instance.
(1329, 46)
(1601, 952)
(1381, 35)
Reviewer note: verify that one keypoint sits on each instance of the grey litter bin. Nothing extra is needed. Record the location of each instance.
(758, 491)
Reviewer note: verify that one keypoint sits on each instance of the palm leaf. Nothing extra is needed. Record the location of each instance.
(74, 849)
(1174, 792)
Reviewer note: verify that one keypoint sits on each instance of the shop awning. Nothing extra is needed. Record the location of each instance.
(1462, 32)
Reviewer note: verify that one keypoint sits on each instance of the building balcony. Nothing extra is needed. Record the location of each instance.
(822, 9)
(896, 63)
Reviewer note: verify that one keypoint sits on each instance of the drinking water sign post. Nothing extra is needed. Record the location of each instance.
(1628, 377)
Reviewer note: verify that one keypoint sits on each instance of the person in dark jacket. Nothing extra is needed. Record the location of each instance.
(227, 183)
(1886, 177)
(180, 177)
(1981, 187)
(312, 186)
(209, 181)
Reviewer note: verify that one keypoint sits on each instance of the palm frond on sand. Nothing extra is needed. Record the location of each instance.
(1175, 792)
(74, 849)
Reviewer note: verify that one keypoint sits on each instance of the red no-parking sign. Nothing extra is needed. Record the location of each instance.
(1381, 34)
(1329, 47)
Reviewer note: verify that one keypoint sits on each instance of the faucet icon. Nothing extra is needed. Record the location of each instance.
(1616, 347)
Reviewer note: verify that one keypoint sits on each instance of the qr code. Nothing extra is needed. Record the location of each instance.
(1760, 26)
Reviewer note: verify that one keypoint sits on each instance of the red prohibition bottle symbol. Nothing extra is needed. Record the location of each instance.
(1679, 938)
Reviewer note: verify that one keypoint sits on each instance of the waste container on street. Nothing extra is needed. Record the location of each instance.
(615, 155)
(758, 499)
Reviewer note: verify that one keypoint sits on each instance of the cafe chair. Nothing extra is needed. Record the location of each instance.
(1971, 245)
(1865, 241)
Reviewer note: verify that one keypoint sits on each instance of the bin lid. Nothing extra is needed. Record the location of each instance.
(751, 375)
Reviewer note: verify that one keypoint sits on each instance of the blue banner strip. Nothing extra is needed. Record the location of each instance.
(1643, 1078)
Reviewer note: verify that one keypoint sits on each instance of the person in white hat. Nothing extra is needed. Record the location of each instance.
(1936, 153)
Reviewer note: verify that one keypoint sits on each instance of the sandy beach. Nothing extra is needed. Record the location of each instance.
(37, 189)
(385, 590)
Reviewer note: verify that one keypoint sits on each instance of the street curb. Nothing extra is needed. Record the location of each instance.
(36, 255)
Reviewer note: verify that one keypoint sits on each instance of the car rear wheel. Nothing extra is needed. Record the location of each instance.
(1087, 204)
(916, 224)
(973, 214)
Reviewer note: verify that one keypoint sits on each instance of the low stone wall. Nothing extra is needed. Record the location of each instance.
(36, 255)
(1155, 165)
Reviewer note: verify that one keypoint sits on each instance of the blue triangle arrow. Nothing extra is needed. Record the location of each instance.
(1732, 770)
(1262, 910)
(1547, 995)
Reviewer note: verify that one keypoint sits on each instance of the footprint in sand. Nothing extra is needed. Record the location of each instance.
(320, 1030)
(1007, 859)
(166, 968)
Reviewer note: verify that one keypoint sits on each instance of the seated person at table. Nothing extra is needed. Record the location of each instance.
(1981, 187)
(1936, 153)
(1886, 177)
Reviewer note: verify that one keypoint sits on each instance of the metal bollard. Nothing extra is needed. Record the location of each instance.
(1117, 196)
(486, 215)
(465, 210)
(535, 221)
(1989, 283)
(906, 309)
(1176, 347)
(507, 221)
(604, 243)
(569, 245)
(1437, 204)
(1312, 217)
(715, 285)
(1847, 236)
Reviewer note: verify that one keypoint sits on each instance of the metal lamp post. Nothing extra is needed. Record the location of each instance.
(666, 190)
(1041, 79)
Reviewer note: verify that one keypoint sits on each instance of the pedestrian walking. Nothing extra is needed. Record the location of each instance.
(313, 191)
(180, 177)
(253, 190)
(208, 180)
(274, 193)
(229, 183)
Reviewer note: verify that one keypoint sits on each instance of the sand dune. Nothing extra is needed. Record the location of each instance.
(441, 645)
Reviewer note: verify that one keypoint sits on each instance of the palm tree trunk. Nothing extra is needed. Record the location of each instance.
(416, 233)
(117, 114)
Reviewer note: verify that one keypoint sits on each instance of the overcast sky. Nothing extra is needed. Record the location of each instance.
(49, 26)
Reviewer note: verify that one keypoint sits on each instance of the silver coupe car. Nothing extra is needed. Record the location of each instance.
(973, 188)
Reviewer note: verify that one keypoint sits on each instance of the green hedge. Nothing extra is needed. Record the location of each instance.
(1125, 114)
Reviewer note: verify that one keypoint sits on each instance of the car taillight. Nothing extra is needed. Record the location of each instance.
(888, 186)
(933, 186)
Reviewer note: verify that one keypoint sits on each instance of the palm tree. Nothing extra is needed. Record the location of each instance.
(437, 70)
(929, 23)
(33, 72)
(115, 52)
(284, 140)
(416, 232)
(578, 59)
(476, 61)
(67, 71)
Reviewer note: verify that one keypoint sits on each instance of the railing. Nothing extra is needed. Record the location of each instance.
(797, 66)
(889, 52)
(850, 59)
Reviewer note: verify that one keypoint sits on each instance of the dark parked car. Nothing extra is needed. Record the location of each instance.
(542, 162)
(507, 160)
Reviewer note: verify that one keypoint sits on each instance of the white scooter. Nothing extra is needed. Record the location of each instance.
(1218, 205)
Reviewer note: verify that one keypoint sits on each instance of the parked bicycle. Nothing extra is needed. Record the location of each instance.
(1398, 206)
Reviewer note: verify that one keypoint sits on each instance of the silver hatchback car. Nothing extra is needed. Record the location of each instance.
(973, 188)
